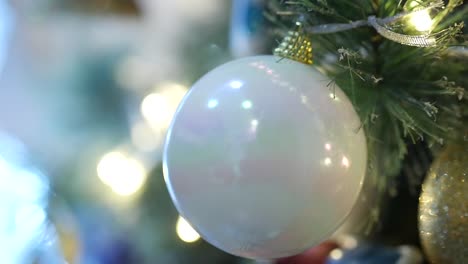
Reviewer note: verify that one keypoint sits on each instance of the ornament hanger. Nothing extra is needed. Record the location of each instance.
(296, 46)
(380, 25)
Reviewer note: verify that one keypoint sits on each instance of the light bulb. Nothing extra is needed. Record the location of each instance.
(421, 20)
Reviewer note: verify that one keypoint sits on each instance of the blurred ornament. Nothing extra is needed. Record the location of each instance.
(66, 230)
(263, 159)
(122, 7)
(248, 29)
(373, 253)
(6, 26)
(25, 232)
(443, 207)
(315, 255)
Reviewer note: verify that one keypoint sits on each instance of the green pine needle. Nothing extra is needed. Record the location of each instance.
(402, 94)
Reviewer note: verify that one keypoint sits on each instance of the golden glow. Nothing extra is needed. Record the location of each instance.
(158, 108)
(327, 162)
(123, 174)
(185, 231)
(421, 20)
(336, 254)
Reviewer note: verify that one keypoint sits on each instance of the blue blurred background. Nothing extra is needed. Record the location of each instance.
(87, 91)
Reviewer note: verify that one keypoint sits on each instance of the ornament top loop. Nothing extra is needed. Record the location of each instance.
(296, 46)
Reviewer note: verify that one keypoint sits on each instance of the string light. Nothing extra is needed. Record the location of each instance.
(123, 174)
(185, 231)
(158, 108)
(421, 20)
(336, 254)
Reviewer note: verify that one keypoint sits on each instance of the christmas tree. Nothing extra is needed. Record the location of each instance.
(401, 66)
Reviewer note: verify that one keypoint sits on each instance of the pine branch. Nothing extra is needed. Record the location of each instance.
(411, 92)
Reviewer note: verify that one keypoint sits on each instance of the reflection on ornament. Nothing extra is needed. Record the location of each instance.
(185, 231)
(123, 174)
(443, 207)
(247, 166)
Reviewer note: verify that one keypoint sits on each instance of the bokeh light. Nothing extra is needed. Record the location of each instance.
(421, 20)
(123, 174)
(336, 254)
(185, 231)
(144, 138)
(159, 107)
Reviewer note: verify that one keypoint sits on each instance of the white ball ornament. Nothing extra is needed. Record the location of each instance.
(263, 159)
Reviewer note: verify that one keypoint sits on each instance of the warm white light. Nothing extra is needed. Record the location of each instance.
(421, 20)
(328, 146)
(185, 231)
(336, 254)
(345, 162)
(348, 242)
(124, 175)
(247, 104)
(106, 168)
(327, 161)
(158, 108)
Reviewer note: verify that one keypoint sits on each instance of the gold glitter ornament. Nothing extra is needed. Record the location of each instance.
(443, 207)
(296, 46)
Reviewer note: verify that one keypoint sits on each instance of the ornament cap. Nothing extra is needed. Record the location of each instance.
(296, 46)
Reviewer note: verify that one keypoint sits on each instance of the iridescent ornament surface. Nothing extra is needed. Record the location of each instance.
(263, 159)
(443, 207)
